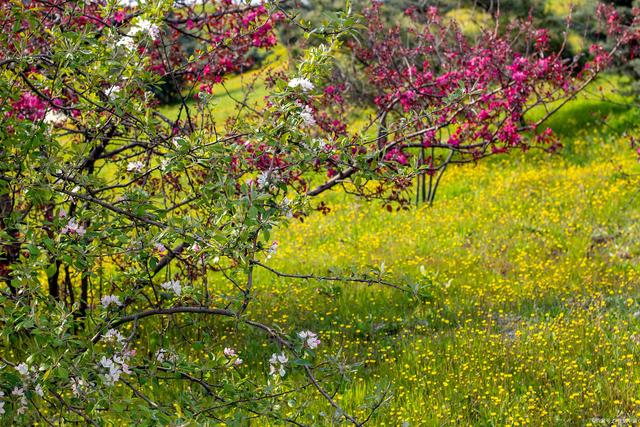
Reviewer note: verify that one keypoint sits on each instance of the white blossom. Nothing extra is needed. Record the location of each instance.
(116, 366)
(277, 363)
(145, 26)
(1, 403)
(55, 118)
(39, 391)
(230, 354)
(113, 335)
(79, 386)
(107, 300)
(173, 286)
(126, 42)
(307, 115)
(73, 227)
(159, 247)
(19, 393)
(114, 371)
(121, 361)
(112, 92)
(195, 247)
(23, 369)
(302, 83)
(272, 250)
(106, 363)
(136, 166)
(163, 355)
(263, 179)
(310, 339)
(286, 208)
(160, 355)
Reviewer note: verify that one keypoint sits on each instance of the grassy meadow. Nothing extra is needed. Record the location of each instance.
(532, 315)
(529, 310)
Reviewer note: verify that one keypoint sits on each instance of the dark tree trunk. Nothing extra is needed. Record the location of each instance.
(84, 295)
(54, 288)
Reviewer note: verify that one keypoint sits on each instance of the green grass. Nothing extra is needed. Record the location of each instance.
(531, 285)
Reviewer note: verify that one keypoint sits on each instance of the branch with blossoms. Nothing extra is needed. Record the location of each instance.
(277, 363)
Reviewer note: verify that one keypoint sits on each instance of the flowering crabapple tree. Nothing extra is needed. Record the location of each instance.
(125, 233)
(438, 97)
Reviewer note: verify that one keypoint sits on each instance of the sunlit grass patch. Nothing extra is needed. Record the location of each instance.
(531, 274)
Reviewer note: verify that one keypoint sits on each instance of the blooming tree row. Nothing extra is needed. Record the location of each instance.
(115, 217)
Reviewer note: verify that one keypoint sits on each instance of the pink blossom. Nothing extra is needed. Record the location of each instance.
(72, 228)
(309, 338)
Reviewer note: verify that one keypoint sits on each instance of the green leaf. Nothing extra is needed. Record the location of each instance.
(51, 270)
(62, 373)
(301, 362)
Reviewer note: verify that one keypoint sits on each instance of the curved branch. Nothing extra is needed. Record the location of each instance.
(163, 312)
(331, 278)
(112, 208)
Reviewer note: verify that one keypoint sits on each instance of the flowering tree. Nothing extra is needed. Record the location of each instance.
(114, 217)
(438, 97)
